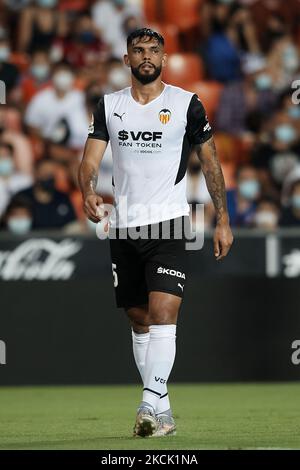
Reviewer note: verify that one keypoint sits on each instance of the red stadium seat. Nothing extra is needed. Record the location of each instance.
(20, 60)
(170, 35)
(184, 13)
(153, 10)
(183, 69)
(73, 5)
(209, 92)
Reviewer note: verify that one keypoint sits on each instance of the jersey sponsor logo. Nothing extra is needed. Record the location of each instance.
(139, 135)
(164, 116)
(91, 126)
(119, 116)
(181, 286)
(170, 272)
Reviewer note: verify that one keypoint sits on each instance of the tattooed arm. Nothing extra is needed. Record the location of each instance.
(88, 177)
(212, 171)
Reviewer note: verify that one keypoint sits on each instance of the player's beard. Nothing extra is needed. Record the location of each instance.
(146, 78)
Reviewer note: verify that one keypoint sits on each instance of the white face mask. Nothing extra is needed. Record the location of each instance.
(290, 59)
(6, 166)
(19, 225)
(63, 81)
(40, 71)
(4, 53)
(118, 78)
(266, 218)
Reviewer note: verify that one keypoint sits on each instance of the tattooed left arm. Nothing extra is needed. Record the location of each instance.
(212, 171)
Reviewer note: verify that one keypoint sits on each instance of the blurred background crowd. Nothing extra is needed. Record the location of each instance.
(58, 58)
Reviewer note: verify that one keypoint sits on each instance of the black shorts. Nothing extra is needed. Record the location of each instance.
(154, 264)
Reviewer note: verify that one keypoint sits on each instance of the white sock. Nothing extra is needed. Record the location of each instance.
(140, 342)
(159, 362)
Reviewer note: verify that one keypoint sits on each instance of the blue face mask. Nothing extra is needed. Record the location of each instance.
(6, 166)
(285, 133)
(294, 112)
(296, 201)
(249, 189)
(4, 53)
(19, 225)
(47, 3)
(40, 72)
(290, 59)
(263, 82)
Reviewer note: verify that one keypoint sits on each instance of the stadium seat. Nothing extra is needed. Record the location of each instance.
(184, 13)
(73, 5)
(183, 69)
(153, 10)
(170, 35)
(209, 92)
(20, 60)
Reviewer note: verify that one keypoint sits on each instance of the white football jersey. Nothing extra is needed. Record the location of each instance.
(150, 144)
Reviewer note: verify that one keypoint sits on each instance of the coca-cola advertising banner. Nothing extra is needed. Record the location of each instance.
(63, 258)
(52, 258)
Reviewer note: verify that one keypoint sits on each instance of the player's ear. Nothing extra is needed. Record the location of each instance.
(126, 60)
(164, 59)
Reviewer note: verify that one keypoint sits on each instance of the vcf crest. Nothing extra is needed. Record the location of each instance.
(164, 116)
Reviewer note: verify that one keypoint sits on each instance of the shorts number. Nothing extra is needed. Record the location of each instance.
(114, 267)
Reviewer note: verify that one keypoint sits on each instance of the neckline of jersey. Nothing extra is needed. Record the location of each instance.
(150, 102)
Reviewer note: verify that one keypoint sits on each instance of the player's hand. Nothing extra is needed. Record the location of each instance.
(93, 207)
(223, 239)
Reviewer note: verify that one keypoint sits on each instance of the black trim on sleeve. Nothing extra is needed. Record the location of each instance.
(98, 128)
(185, 153)
(198, 128)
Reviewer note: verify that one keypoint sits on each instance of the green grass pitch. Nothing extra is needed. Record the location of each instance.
(230, 416)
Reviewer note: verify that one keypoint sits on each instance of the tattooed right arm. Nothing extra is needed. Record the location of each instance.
(88, 176)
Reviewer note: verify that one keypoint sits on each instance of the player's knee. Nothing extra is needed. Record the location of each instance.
(139, 319)
(163, 315)
(139, 329)
(163, 308)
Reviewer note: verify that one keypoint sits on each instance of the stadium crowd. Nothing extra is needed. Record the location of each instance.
(58, 58)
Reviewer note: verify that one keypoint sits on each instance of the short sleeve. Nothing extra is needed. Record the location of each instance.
(198, 128)
(98, 128)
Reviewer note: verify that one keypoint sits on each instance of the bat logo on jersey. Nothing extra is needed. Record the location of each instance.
(119, 116)
(164, 116)
(91, 126)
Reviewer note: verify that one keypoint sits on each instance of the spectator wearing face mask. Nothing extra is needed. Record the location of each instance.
(278, 153)
(243, 98)
(118, 76)
(54, 108)
(84, 47)
(9, 73)
(242, 201)
(12, 133)
(11, 180)
(51, 209)
(18, 217)
(267, 215)
(291, 214)
(284, 61)
(38, 76)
